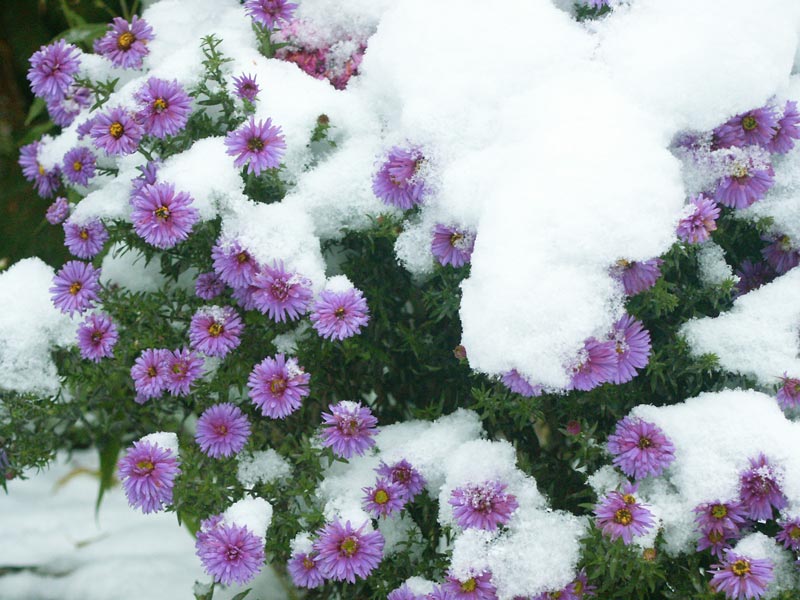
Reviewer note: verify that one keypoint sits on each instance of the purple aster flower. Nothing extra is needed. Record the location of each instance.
(304, 569)
(477, 587)
(789, 394)
(745, 186)
(208, 285)
(125, 44)
(46, 182)
(97, 336)
(697, 227)
(384, 498)
(789, 535)
(741, 577)
(403, 474)
(246, 87)
(595, 364)
(760, 489)
(149, 172)
(640, 448)
(780, 254)
(280, 294)
(116, 132)
(753, 127)
(452, 246)
(229, 553)
(85, 128)
(222, 430)
(85, 241)
(57, 211)
(787, 130)
(269, 12)
(439, 593)
(244, 297)
(215, 330)
(638, 276)
(752, 276)
(621, 516)
(75, 287)
(165, 107)
(79, 165)
(183, 368)
(162, 217)
(722, 517)
(234, 265)
(63, 110)
(632, 344)
(339, 315)
(344, 552)
(53, 69)
(397, 182)
(260, 146)
(147, 473)
(715, 542)
(149, 373)
(348, 429)
(403, 593)
(482, 505)
(278, 386)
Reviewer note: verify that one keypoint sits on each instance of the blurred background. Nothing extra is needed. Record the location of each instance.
(25, 25)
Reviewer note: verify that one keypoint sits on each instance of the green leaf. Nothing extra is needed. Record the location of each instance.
(241, 595)
(82, 33)
(109, 451)
(37, 108)
(35, 132)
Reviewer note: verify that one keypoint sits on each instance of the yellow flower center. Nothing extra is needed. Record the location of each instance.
(221, 430)
(629, 499)
(455, 238)
(159, 104)
(469, 585)
(715, 537)
(623, 517)
(381, 497)
(145, 465)
(41, 170)
(644, 443)
(308, 563)
(162, 212)
(125, 41)
(740, 171)
(349, 546)
(215, 329)
(84, 235)
(339, 312)
(277, 385)
(242, 257)
(740, 568)
(718, 511)
(749, 123)
(255, 144)
(77, 165)
(116, 130)
(75, 288)
(649, 554)
(578, 586)
(794, 532)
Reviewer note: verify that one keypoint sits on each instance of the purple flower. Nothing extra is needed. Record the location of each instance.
(348, 429)
(595, 364)
(697, 227)
(57, 211)
(640, 448)
(278, 386)
(789, 535)
(482, 505)
(752, 276)
(147, 473)
(638, 276)
(165, 107)
(46, 182)
(632, 345)
(208, 285)
(222, 430)
(477, 587)
(789, 394)
(384, 498)
(621, 516)
(183, 368)
(162, 217)
(234, 265)
(339, 315)
(722, 517)
(97, 336)
(215, 330)
(75, 287)
(53, 69)
(452, 246)
(741, 577)
(715, 542)
(753, 127)
(269, 12)
(244, 296)
(149, 172)
(79, 165)
(246, 87)
(760, 489)
(577, 589)
(787, 130)
(779, 254)
(260, 146)
(85, 241)
(518, 384)
(403, 474)
(149, 373)
(85, 128)
(229, 553)
(116, 132)
(345, 553)
(63, 110)
(397, 182)
(280, 294)
(403, 593)
(304, 569)
(744, 186)
(125, 44)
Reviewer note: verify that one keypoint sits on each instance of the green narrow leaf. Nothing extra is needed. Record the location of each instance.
(109, 452)
(87, 32)
(241, 595)
(35, 132)
(35, 110)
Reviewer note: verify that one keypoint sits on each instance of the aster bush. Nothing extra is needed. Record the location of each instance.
(231, 302)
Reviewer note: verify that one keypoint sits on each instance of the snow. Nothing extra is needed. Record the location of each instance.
(758, 336)
(250, 512)
(128, 269)
(166, 439)
(713, 270)
(30, 327)
(263, 466)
